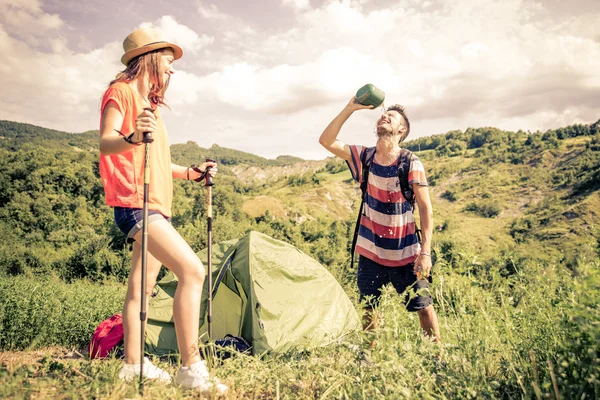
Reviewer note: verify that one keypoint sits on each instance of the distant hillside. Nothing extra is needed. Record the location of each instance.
(498, 197)
(21, 134)
(190, 152)
(289, 159)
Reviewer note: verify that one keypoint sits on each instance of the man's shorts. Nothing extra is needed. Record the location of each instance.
(130, 220)
(372, 277)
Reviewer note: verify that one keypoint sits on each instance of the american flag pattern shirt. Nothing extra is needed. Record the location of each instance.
(387, 232)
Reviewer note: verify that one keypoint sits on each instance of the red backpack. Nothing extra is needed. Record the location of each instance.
(106, 336)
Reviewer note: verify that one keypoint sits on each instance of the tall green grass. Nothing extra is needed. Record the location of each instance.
(533, 333)
(36, 312)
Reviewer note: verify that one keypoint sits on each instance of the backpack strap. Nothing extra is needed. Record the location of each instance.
(366, 158)
(404, 162)
(403, 170)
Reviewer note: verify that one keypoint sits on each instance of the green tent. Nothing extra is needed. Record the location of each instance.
(267, 291)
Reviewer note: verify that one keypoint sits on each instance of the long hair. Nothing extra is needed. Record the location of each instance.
(146, 62)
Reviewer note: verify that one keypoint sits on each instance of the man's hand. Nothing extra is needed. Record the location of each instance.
(329, 139)
(422, 266)
(354, 105)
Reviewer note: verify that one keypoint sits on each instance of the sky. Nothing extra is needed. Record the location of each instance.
(267, 77)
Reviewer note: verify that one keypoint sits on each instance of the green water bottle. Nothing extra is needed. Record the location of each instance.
(370, 95)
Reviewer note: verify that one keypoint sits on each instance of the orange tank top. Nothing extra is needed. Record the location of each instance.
(123, 174)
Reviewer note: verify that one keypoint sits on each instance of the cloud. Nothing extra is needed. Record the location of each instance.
(298, 5)
(512, 64)
(284, 88)
(459, 66)
(211, 11)
(61, 88)
(180, 34)
(27, 20)
(418, 58)
(58, 90)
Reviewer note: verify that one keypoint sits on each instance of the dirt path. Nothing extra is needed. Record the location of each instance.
(12, 360)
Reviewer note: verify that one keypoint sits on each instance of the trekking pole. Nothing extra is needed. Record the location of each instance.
(209, 183)
(147, 140)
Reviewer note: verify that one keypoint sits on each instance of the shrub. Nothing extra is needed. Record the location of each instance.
(449, 195)
(335, 166)
(45, 312)
(577, 366)
(485, 208)
(297, 180)
(520, 228)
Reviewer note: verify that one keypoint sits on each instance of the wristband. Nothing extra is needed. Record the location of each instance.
(127, 138)
(197, 169)
(425, 254)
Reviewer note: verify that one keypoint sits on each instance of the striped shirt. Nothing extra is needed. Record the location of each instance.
(387, 227)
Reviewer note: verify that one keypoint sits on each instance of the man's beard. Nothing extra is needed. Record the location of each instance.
(384, 131)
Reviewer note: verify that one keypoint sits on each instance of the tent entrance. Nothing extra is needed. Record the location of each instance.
(228, 309)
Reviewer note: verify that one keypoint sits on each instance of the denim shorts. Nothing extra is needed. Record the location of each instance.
(372, 277)
(130, 220)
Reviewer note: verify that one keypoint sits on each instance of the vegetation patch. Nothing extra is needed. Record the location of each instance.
(485, 208)
(516, 284)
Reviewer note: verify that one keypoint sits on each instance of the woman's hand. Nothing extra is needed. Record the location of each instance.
(145, 122)
(211, 166)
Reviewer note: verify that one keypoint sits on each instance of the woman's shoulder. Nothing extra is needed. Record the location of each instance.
(120, 93)
(119, 87)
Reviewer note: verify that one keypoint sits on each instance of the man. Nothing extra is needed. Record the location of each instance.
(387, 244)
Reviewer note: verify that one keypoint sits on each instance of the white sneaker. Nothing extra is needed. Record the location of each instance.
(130, 371)
(196, 376)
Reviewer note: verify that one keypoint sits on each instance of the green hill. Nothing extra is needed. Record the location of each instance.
(516, 282)
(496, 194)
(16, 135)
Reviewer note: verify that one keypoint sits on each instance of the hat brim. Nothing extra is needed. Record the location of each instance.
(131, 54)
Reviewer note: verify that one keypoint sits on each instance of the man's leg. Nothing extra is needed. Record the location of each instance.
(429, 323)
(370, 279)
(370, 320)
(404, 280)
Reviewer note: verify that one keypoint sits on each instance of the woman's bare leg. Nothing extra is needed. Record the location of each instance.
(166, 245)
(133, 301)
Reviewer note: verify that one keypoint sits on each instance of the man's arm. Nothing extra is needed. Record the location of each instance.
(426, 219)
(329, 139)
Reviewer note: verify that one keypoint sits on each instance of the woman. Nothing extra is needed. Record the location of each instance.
(125, 116)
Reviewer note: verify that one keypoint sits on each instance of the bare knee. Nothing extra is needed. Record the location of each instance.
(192, 274)
(427, 311)
(134, 292)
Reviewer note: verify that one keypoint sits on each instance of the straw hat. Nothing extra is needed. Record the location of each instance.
(145, 40)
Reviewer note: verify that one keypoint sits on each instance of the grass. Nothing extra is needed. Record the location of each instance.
(38, 312)
(503, 338)
(259, 205)
(519, 318)
(332, 198)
